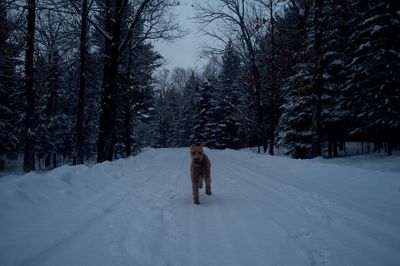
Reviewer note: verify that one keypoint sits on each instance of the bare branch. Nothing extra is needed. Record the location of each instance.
(134, 23)
(94, 24)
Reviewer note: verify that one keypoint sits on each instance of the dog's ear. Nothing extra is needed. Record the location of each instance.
(196, 145)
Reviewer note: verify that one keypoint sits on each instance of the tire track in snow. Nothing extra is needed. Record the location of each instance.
(304, 228)
(202, 236)
(147, 218)
(276, 238)
(159, 196)
(227, 229)
(114, 198)
(319, 230)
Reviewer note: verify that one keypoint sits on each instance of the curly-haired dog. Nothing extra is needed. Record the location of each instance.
(200, 169)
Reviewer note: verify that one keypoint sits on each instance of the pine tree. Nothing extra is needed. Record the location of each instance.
(373, 84)
(56, 96)
(229, 100)
(79, 132)
(54, 114)
(335, 36)
(8, 120)
(205, 124)
(135, 99)
(92, 99)
(29, 128)
(190, 110)
(295, 129)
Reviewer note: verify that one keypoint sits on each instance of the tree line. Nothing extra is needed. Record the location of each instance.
(77, 78)
(75, 74)
(305, 76)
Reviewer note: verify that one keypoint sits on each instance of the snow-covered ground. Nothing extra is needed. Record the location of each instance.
(264, 211)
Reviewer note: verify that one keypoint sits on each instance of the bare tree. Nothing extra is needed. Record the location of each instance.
(245, 18)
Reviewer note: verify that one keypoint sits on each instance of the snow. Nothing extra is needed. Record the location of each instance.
(374, 161)
(264, 211)
(376, 29)
(337, 62)
(373, 19)
(362, 47)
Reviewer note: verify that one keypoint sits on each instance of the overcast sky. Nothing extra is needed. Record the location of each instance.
(184, 52)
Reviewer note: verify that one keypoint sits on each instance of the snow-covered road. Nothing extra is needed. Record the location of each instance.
(264, 211)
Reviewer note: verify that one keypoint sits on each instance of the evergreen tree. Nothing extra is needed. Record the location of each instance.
(116, 39)
(83, 71)
(135, 98)
(54, 95)
(229, 100)
(335, 37)
(29, 127)
(54, 114)
(205, 123)
(295, 129)
(92, 100)
(8, 85)
(168, 109)
(187, 121)
(372, 87)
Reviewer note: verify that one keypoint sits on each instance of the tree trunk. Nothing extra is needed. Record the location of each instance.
(335, 148)
(127, 126)
(127, 106)
(330, 145)
(54, 160)
(29, 130)
(390, 142)
(262, 138)
(113, 47)
(80, 138)
(47, 160)
(108, 107)
(318, 82)
(106, 140)
(273, 96)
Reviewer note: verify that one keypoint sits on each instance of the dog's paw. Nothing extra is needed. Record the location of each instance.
(196, 201)
(208, 193)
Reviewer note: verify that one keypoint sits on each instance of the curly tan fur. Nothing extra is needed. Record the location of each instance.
(200, 170)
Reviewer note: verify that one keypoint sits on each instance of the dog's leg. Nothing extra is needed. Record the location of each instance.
(207, 179)
(201, 183)
(195, 187)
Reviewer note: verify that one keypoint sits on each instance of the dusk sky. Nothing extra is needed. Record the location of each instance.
(184, 52)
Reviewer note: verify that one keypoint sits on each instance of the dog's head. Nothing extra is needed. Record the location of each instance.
(196, 152)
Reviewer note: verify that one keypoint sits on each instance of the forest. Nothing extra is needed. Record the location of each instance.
(80, 80)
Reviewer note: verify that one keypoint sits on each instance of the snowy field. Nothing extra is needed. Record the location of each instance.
(264, 211)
